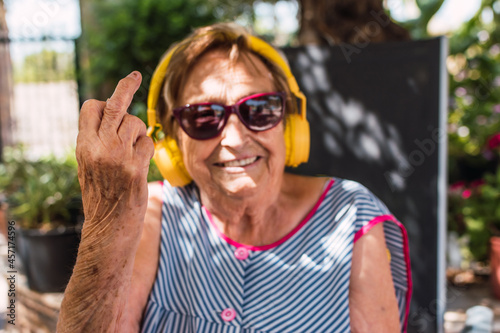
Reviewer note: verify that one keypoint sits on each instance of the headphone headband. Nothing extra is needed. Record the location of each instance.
(155, 87)
(261, 47)
(255, 44)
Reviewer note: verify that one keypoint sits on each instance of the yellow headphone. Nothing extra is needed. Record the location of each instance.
(167, 155)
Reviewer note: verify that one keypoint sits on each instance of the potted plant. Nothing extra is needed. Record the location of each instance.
(44, 200)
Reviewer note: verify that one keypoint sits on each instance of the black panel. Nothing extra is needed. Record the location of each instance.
(374, 116)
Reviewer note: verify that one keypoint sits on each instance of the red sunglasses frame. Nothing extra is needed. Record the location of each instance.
(228, 110)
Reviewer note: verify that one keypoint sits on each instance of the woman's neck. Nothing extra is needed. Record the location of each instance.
(264, 218)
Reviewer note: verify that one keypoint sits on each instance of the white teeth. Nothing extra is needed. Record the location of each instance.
(240, 163)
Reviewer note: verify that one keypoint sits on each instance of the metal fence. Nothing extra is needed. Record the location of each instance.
(45, 104)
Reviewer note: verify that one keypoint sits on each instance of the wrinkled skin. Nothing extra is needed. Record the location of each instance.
(113, 154)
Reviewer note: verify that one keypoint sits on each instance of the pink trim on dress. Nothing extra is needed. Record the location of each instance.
(282, 240)
(406, 250)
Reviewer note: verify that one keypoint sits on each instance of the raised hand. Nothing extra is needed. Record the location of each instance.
(113, 154)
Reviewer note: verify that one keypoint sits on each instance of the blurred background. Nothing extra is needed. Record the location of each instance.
(55, 54)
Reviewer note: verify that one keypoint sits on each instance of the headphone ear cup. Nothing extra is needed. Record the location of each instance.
(168, 159)
(297, 140)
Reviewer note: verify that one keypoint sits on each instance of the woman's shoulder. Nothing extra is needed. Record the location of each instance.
(298, 182)
(339, 186)
(155, 191)
(356, 194)
(165, 190)
(352, 188)
(331, 188)
(179, 198)
(155, 201)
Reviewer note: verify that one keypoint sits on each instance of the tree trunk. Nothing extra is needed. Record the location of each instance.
(6, 84)
(346, 21)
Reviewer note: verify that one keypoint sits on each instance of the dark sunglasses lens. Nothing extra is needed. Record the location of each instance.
(262, 113)
(203, 121)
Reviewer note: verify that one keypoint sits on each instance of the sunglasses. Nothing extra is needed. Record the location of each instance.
(258, 113)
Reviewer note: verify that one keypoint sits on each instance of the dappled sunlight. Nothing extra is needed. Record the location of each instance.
(374, 118)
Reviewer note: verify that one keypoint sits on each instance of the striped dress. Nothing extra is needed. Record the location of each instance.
(208, 283)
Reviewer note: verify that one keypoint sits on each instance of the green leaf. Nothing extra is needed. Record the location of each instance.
(40, 192)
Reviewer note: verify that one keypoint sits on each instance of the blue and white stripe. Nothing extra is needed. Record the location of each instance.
(298, 286)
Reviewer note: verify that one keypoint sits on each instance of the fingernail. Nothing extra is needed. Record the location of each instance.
(134, 75)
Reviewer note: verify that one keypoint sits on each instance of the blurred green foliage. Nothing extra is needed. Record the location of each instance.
(474, 114)
(45, 66)
(42, 193)
(475, 213)
(154, 174)
(126, 35)
(474, 79)
(129, 35)
(418, 26)
(474, 118)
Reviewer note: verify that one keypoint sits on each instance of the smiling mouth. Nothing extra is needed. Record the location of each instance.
(239, 163)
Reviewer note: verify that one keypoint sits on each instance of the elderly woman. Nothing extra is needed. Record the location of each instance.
(236, 244)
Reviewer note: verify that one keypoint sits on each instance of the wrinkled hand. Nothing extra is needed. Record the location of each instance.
(113, 154)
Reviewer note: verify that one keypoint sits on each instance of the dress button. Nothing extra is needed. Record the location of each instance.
(241, 253)
(228, 314)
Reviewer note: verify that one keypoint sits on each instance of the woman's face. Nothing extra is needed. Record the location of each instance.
(238, 162)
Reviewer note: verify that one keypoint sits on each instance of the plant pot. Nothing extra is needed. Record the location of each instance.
(48, 257)
(495, 266)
